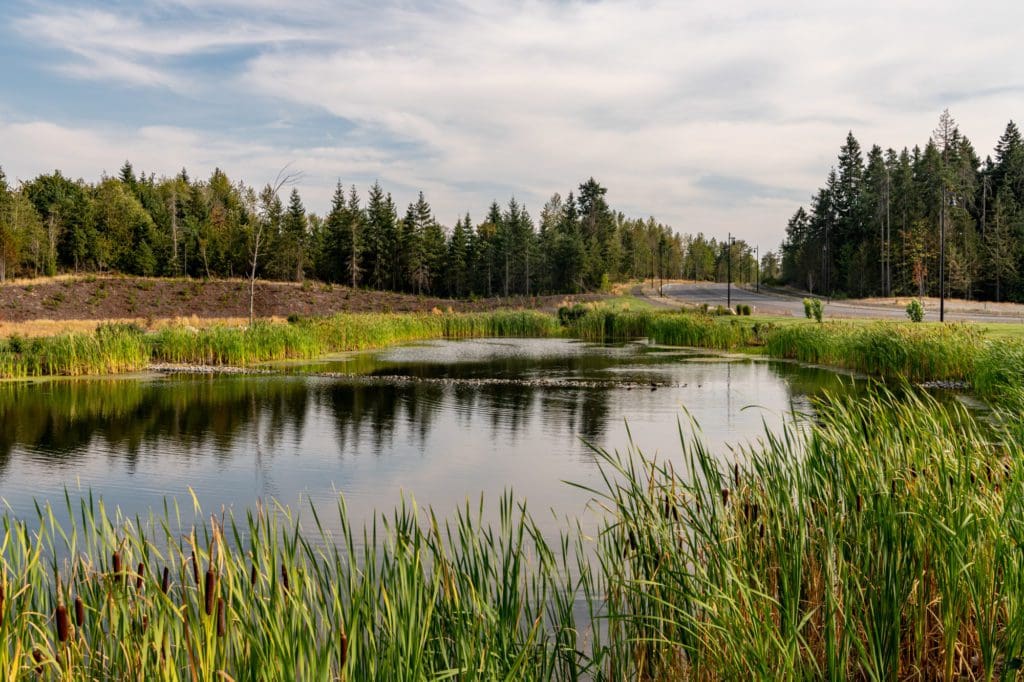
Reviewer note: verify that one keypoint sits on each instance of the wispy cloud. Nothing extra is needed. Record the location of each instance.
(713, 117)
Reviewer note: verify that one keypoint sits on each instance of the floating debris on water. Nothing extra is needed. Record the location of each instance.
(405, 380)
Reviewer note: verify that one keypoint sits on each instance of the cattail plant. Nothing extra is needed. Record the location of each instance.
(221, 617)
(63, 623)
(165, 583)
(211, 586)
(79, 612)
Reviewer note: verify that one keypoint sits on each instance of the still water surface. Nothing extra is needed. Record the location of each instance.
(480, 416)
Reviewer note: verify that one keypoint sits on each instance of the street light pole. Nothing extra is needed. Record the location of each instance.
(942, 257)
(757, 266)
(728, 277)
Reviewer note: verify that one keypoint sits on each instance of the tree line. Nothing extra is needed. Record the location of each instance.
(886, 225)
(180, 226)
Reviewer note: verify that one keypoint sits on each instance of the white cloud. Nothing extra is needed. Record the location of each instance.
(648, 97)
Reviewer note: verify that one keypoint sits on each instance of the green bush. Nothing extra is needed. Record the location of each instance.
(568, 314)
(915, 311)
(814, 309)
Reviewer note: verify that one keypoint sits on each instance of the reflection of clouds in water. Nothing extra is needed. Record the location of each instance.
(234, 439)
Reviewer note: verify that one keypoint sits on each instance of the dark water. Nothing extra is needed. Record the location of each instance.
(451, 435)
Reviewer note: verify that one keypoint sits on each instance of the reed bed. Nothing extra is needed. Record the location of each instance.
(884, 349)
(409, 597)
(670, 328)
(111, 349)
(702, 331)
(600, 325)
(123, 348)
(880, 540)
(999, 370)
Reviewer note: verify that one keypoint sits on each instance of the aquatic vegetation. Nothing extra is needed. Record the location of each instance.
(879, 540)
(999, 370)
(885, 349)
(109, 350)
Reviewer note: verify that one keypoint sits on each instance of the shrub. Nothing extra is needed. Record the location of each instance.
(915, 311)
(569, 314)
(814, 309)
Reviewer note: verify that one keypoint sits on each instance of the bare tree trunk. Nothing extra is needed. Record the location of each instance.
(252, 275)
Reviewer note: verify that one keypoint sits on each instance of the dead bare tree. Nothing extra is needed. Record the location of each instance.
(284, 178)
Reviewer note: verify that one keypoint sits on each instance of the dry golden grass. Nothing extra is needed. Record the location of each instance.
(34, 328)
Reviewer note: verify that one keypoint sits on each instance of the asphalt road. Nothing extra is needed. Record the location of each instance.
(772, 302)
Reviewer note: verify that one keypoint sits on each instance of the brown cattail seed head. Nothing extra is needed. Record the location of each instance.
(253, 575)
(2, 596)
(860, 503)
(79, 613)
(284, 577)
(38, 656)
(736, 474)
(140, 574)
(195, 568)
(211, 585)
(116, 560)
(63, 624)
(725, 496)
(221, 618)
(165, 584)
(344, 647)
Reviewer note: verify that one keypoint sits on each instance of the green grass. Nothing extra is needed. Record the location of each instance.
(123, 348)
(880, 540)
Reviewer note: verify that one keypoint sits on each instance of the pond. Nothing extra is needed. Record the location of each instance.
(442, 422)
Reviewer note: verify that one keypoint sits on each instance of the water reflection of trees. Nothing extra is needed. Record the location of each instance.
(222, 416)
(203, 416)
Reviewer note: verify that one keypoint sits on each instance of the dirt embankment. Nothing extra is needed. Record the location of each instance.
(69, 302)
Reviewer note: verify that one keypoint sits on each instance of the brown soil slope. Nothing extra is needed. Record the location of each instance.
(113, 297)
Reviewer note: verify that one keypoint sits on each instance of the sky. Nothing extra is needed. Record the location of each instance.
(712, 117)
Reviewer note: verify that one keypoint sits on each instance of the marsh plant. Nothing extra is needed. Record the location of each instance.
(881, 539)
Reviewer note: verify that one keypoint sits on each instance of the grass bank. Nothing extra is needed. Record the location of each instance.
(119, 348)
(880, 541)
(992, 362)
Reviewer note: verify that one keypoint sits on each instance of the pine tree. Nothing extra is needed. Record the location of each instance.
(381, 239)
(353, 261)
(458, 257)
(337, 236)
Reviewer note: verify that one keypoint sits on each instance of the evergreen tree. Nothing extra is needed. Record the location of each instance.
(337, 238)
(294, 233)
(458, 257)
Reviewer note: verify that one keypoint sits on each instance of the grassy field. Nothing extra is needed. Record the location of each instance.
(879, 541)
